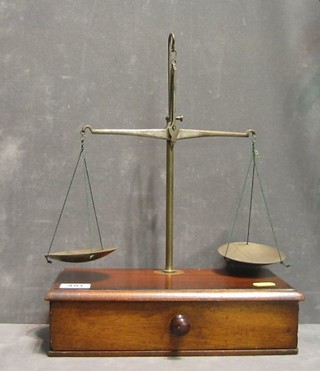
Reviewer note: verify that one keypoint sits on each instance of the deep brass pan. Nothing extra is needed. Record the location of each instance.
(80, 255)
(251, 253)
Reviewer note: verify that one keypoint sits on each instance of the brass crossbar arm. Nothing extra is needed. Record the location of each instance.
(189, 134)
(147, 133)
(164, 133)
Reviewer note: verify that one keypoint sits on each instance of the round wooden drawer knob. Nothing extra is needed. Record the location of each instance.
(180, 325)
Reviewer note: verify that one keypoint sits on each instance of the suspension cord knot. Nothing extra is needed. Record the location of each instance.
(255, 152)
(82, 139)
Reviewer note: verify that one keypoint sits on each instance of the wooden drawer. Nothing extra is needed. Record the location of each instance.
(174, 321)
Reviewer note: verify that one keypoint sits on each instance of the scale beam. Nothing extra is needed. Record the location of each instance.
(165, 134)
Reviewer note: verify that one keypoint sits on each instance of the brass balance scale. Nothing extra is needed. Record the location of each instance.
(103, 312)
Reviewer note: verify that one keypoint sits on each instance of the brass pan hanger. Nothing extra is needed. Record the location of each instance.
(247, 252)
(79, 255)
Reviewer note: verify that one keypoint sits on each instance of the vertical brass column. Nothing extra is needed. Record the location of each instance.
(172, 131)
(169, 208)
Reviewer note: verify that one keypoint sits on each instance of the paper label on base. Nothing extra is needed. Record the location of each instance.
(75, 286)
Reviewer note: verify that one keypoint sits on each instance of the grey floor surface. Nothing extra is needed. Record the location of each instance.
(24, 347)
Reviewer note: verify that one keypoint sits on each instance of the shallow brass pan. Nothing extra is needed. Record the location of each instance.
(80, 255)
(251, 253)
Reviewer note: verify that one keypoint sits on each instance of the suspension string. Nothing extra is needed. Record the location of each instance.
(65, 200)
(239, 205)
(254, 152)
(85, 182)
(88, 207)
(92, 200)
(269, 217)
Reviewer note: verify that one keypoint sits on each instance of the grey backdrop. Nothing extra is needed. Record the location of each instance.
(241, 64)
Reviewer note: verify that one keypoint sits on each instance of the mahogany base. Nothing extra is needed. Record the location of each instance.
(200, 312)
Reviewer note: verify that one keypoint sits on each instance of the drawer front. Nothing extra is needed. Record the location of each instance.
(172, 326)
